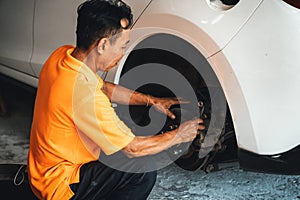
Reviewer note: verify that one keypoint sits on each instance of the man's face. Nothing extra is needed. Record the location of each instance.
(113, 53)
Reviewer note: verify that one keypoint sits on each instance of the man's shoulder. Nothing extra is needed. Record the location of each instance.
(53, 65)
(58, 55)
(62, 50)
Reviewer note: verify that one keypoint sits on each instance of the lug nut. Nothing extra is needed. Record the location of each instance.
(200, 104)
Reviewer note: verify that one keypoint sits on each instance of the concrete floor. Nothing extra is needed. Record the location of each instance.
(172, 182)
(15, 127)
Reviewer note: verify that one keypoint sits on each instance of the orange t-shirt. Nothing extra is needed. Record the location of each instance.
(73, 120)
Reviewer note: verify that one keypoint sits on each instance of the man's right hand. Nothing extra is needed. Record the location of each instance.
(149, 145)
(187, 131)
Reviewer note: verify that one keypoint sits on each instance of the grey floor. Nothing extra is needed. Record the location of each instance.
(172, 182)
(15, 126)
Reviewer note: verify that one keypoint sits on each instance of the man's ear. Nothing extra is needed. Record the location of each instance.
(102, 45)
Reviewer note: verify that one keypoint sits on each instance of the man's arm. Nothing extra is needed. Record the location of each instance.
(122, 95)
(142, 146)
(149, 145)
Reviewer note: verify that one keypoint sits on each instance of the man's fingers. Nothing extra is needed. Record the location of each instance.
(201, 127)
(198, 121)
(170, 114)
(199, 124)
(182, 101)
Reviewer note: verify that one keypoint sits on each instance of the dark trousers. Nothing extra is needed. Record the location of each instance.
(98, 181)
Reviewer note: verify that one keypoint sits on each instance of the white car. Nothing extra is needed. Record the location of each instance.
(240, 57)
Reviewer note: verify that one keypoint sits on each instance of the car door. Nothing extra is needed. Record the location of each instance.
(16, 36)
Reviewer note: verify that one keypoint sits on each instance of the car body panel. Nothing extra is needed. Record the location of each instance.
(219, 25)
(16, 35)
(268, 73)
(54, 26)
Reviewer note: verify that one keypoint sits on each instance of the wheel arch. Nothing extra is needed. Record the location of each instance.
(198, 48)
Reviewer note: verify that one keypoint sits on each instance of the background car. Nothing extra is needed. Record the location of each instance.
(236, 61)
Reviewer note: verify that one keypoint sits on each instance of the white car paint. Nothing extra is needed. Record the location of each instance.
(32, 29)
(16, 34)
(268, 75)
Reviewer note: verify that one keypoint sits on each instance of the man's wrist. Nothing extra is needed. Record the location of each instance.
(172, 137)
(150, 100)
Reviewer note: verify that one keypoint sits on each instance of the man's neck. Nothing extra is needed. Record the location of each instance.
(83, 56)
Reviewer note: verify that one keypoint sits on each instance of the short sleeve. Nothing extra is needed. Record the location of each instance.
(95, 117)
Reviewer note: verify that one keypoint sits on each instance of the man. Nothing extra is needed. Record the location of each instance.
(74, 122)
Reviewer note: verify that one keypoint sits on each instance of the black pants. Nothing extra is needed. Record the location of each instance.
(98, 181)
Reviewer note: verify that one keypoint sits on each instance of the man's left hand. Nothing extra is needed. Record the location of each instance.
(164, 104)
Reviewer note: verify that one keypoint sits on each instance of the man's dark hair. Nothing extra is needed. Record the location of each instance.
(100, 18)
